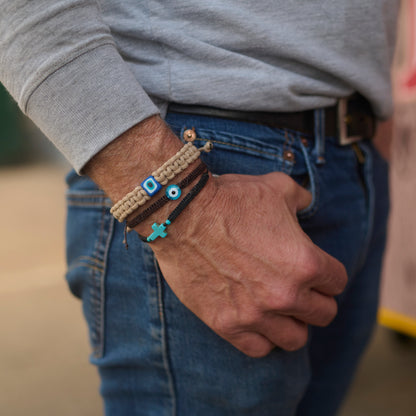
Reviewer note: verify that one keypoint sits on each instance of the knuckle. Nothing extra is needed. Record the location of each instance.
(280, 177)
(329, 314)
(231, 322)
(224, 324)
(308, 263)
(342, 280)
(284, 300)
(256, 349)
(282, 183)
(251, 319)
(295, 341)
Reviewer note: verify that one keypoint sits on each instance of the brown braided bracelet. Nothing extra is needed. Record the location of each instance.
(160, 230)
(175, 165)
(165, 199)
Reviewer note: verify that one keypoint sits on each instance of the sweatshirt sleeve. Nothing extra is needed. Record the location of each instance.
(60, 63)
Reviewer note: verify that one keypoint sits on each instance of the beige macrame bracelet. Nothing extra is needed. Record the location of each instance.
(175, 165)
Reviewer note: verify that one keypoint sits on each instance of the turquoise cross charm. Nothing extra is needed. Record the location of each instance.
(158, 231)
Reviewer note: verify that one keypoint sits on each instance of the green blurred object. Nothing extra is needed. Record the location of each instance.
(12, 148)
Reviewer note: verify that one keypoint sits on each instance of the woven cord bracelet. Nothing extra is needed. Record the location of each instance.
(166, 198)
(159, 230)
(152, 184)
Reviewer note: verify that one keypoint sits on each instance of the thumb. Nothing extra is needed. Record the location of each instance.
(297, 197)
(303, 198)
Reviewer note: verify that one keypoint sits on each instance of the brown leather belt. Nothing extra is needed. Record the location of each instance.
(350, 120)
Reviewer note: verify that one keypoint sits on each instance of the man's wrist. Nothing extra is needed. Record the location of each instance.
(125, 162)
(186, 225)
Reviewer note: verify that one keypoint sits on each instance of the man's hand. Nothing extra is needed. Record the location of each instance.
(240, 261)
(237, 256)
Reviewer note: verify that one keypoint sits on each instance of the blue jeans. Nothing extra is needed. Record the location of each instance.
(156, 358)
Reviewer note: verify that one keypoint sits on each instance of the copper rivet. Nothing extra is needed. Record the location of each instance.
(288, 155)
(305, 142)
(189, 135)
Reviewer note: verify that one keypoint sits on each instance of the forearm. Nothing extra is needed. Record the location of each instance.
(129, 159)
(60, 63)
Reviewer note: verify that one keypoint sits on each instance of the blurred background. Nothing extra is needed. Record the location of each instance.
(44, 349)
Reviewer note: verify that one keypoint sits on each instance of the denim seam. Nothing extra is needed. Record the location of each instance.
(95, 293)
(252, 149)
(281, 130)
(97, 290)
(287, 165)
(368, 180)
(87, 199)
(84, 264)
(88, 204)
(86, 194)
(105, 257)
(165, 353)
(98, 262)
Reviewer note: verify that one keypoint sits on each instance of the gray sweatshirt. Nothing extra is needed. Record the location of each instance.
(86, 71)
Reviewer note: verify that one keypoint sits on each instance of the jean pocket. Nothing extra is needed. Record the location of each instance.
(248, 151)
(251, 149)
(89, 230)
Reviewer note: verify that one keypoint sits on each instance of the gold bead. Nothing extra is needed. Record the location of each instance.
(208, 146)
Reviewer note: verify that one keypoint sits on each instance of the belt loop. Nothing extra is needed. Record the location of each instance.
(319, 132)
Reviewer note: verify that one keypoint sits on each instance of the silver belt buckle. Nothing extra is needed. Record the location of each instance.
(344, 139)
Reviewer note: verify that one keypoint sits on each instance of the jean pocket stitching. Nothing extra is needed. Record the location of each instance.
(81, 263)
(164, 340)
(274, 152)
(87, 199)
(93, 259)
(224, 141)
(251, 149)
(101, 251)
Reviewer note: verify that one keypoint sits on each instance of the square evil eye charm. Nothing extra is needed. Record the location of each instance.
(151, 185)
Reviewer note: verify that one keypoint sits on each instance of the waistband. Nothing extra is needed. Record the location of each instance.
(350, 120)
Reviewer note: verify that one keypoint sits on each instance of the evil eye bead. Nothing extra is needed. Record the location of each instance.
(151, 185)
(173, 192)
